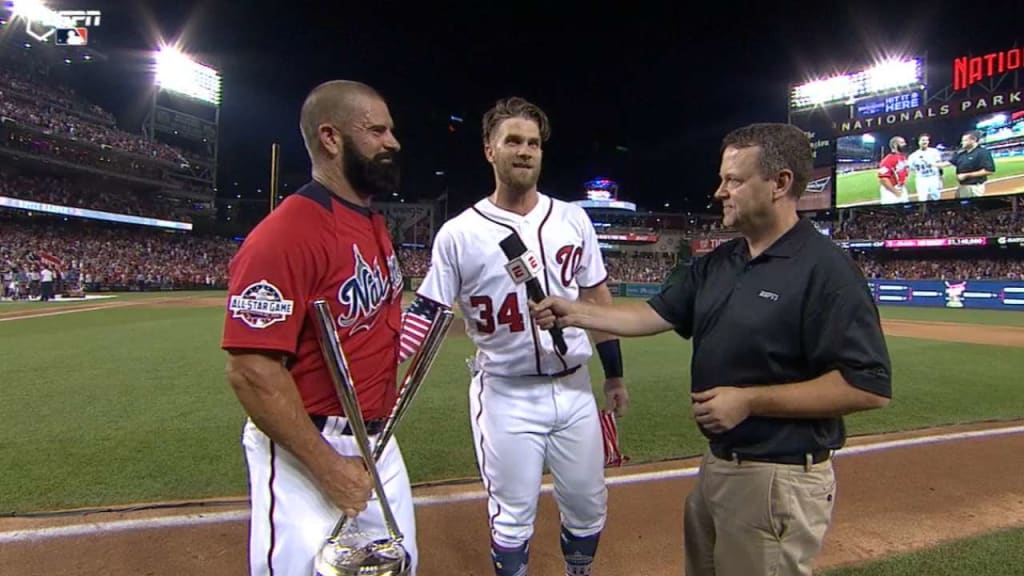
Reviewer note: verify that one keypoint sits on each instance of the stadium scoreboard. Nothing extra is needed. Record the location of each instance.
(852, 117)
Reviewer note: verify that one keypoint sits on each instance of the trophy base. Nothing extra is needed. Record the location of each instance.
(382, 557)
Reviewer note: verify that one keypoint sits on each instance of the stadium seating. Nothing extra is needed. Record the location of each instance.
(58, 112)
(41, 118)
(95, 195)
(894, 223)
(105, 257)
(941, 269)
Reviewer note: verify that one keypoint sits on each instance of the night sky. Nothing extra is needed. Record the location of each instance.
(642, 94)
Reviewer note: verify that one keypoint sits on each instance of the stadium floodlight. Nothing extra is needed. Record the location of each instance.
(176, 72)
(827, 90)
(892, 75)
(35, 11)
(885, 77)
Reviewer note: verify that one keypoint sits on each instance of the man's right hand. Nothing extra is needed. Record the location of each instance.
(269, 395)
(346, 483)
(552, 310)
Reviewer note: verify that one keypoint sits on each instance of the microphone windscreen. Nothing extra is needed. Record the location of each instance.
(512, 246)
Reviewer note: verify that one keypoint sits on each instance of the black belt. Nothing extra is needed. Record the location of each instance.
(373, 427)
(565, 372)
(817, 457)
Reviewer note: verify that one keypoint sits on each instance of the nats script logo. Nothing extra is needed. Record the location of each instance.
(363, 294)
(260, 305)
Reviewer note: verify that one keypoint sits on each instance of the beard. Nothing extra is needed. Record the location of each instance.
(380, 175)
(518, 179)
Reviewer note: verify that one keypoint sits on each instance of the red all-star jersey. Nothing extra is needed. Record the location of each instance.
(316, 245)
(895, 168)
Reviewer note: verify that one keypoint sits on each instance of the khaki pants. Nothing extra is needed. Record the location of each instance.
(970, 190)
(757, 519)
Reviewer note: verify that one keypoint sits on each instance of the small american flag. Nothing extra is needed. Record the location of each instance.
(610, 431)
(51, 260)
(415, 324)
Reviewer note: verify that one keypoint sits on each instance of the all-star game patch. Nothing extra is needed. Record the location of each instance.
(261, 304)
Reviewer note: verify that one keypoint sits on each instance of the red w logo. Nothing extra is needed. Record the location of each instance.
(569, 257)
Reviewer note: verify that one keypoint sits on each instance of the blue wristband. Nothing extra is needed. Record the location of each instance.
(611, 358)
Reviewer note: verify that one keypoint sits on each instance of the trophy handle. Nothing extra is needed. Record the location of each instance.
(338, 366)
(414, 376)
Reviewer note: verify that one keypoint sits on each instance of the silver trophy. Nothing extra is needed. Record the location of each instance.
(347, 551)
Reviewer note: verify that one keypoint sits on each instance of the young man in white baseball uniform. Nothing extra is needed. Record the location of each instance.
(925, 162)
(530, 405)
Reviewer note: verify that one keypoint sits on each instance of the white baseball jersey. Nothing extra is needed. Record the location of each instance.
(468, 268)
(924, 162)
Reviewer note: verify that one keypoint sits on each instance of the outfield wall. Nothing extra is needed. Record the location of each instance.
(969, 294)
(966, 294)
(634, 290)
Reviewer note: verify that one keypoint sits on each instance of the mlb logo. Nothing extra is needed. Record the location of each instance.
(72, 36)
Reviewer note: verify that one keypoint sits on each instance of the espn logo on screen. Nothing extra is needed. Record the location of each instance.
(524, 267)
(72, 37)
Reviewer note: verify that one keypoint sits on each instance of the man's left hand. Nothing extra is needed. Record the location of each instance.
(961, 177)
(616, 397)
(721, 409)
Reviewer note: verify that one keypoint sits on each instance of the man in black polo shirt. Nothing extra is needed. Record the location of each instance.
(973, 164)
(786, 340)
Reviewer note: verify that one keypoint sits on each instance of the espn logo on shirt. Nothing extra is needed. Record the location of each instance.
(524, 267)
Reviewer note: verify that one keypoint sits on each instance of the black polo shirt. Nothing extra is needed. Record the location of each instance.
(972, 162)
(797, 311)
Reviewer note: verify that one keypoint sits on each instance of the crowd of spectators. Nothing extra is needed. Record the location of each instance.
(942, 269)
(128, 257)
(638, 267)
(94, 196)
(689, 226)
(33, 84)
(886, 224)
(414, 262)
(95, 256)
(56, 114)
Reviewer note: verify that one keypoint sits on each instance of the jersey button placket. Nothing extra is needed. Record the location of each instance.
(556, 384)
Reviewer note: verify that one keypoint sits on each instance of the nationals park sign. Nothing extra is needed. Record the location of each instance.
(969, 106)
(968, 70)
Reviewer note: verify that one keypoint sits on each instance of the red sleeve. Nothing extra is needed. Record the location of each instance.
(271, 280)
(887, 169)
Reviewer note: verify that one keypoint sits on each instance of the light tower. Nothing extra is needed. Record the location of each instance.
(185, 112)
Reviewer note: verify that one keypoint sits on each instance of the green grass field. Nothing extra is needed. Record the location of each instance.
(7, 307)
(858, 188)
(988, 317)
(1001, 553)
(131, 404)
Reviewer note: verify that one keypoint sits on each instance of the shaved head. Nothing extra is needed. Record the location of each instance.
(349, 134)
(331, 103)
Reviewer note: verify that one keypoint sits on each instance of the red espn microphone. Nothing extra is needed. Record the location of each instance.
(524, 266)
